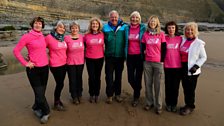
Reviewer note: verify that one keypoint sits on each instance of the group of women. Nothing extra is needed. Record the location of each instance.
(147, 49)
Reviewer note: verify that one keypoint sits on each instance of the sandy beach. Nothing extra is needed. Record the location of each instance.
(17, 98)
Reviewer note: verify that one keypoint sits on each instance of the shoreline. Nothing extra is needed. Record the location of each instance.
(17, 98)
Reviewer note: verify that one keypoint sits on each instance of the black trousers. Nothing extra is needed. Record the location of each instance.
(94, 68)
(59, 77)
(135, 70)
(172, 83)
(75, 80)
(189, 84)
(38, 77)
(113, 66)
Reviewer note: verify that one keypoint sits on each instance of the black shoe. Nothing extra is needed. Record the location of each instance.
(118, 98)
(173, 108)
(96, 99)
(159, 111)
(109, 100)
(91, 99)
(186, 111)
(75, 101)
(148, 107)
(80, 99)
(135, 102)
(59, 106)
(169, 108)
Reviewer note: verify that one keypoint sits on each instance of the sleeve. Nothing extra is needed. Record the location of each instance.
(163, 51)
(163, 47)
(143, 39)
(84, 39)
(46, 40)
(126, 41)
(163, 39)
(202, 56)
(18, 48)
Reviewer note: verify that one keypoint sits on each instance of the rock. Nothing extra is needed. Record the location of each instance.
(3, 65)
(8, 35)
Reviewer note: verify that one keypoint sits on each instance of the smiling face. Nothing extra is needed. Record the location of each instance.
(74, 30)
(189, 32)
(153, 23)
(171, 30)
(135, 20)
(37, 26)
(95, 26)
(114, 19)
(60, 29)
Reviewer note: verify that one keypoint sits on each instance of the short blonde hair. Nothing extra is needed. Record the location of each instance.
(158, 27)
(90, 24)
(136, 13)
(192, 25)
(74, 23)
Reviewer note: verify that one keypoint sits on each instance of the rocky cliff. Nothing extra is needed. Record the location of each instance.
(22, 11)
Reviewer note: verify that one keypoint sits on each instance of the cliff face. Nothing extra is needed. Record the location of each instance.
(22, 11)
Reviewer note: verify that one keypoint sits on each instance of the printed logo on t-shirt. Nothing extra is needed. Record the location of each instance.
(95, 41)
(173, 46)
(184, 49)
(133, 36)
(153, 41)
(77, 45)
(62, 45)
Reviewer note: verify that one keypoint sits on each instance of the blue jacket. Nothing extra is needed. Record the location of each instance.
(142, 31)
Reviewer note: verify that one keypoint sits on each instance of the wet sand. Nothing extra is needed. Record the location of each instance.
(17, 99)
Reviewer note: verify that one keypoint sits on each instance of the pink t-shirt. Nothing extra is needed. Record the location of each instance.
(134, 42)
(57, 51)
(94, 45)
(75, 51)
(153, 46)
(184, 49)
(173, 59)
(36, 47)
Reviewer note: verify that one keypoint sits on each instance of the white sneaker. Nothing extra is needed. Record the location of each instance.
(44, 119)
(38, 113)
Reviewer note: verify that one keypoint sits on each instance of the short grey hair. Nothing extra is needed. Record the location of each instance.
(60, 22)
(113, 11)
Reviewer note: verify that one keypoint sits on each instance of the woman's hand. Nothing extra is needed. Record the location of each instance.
(30, 65)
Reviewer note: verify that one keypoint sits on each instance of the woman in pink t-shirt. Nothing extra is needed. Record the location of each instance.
(172, 66)
(134, 54)
(57, 51)
(36, 66)
(75, 62)
(94, 42)
(155, 48)
(193, 56)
